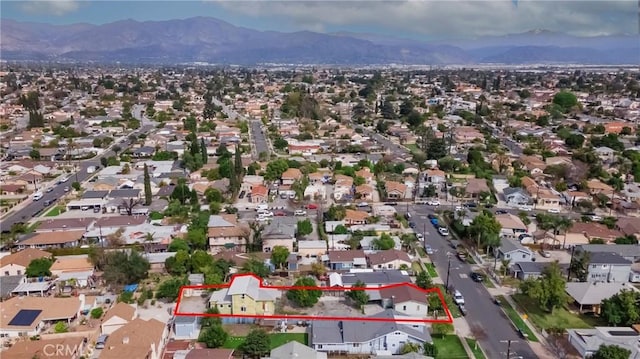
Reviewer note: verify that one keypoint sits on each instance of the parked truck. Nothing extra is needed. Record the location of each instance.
(91, 169)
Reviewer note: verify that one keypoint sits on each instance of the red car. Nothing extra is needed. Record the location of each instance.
(312, 206)
(280, 214)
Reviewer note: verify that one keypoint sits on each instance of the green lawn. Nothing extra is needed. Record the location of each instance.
(277, 339)
(431, 269)
(477, 352)
(412, 147)
(487, 282)
(561, 318)
(516, 319)
(416, 267)
(53, 212)
(449, 347)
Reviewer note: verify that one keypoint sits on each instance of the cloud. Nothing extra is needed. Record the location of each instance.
(50, 7)
(442, 18)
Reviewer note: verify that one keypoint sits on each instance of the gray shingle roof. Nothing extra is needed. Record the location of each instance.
(594, 293)
(625, 250)
(607, 258)
(361, 331)
(510, 245)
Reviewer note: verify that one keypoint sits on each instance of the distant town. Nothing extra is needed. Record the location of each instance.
(442, 213)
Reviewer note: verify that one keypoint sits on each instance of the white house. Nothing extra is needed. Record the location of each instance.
(367, 337)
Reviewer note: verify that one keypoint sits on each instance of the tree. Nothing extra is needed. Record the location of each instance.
(304, 297)
(255, 266)
(170, 288)
(147, 186)
(212, 195)
(611, 352)
(566, 100)
(549, 289)
(34, 154)
(213, 336)
(441, 329)
(622, 308)
(40, 267)
(423, 280)
(179, 264)
(486, 230)
(177, 245)
(203, 149)
(257, 343)
(129, 205)
(279, 256)
(96, 313)
(116, 149)
(76, 186)
(410, 348)
(383, 243)
(579, 265)
(358, 296)
(304, 227)
(124, 267)
(628, 239)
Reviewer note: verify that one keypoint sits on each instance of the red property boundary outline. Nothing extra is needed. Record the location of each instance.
(437, 290)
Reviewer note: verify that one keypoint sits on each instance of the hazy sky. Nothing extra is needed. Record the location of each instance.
(420, 19)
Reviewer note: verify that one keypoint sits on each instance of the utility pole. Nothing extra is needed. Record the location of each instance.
(573, 249)
(508, 346)
(448, 272)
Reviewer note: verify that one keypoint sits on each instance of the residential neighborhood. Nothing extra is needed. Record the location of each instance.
(195, 212)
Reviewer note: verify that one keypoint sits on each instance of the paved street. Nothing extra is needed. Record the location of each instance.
(34, 208)
(258, 139)
(483, 313)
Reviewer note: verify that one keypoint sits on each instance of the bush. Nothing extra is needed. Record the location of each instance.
(126, 297)
(155, 215)
(61, 327)
(96, 313)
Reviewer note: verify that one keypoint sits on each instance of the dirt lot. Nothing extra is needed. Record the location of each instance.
(326, 306)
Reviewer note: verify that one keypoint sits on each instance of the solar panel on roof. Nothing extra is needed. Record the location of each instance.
(25, 317)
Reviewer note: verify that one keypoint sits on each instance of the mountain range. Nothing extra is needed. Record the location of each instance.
(210, 40)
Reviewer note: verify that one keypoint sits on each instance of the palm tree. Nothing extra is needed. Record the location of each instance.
(562, 224)
(148, 238)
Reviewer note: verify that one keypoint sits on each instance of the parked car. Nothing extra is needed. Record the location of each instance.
(419, 236)
(501, 211)
(477, 277)
(433, 203)
(66, 189)
(312, 206)
(300, 212)
(412, 225)
(458, 298)
(462, 309)
(391, 203)
(443, 231)
(428, 249)
(526, 208)
(280, 214)
(49, 189)
(545, 254)
(553, 210)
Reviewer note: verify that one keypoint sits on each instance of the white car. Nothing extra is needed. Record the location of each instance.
(443, 231)
(458, 298)
(419, 236)
(433, 203)
(526, 208)
(596, 218)
(553, 210)
(428, 249)
(300, 212)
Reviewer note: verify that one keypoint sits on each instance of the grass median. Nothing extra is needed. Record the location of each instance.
(431, 269)
(475, 348)
(516, 319)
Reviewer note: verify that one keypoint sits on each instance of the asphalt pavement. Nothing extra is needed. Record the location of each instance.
(258, 138)
(35, 208)
(482, 311)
